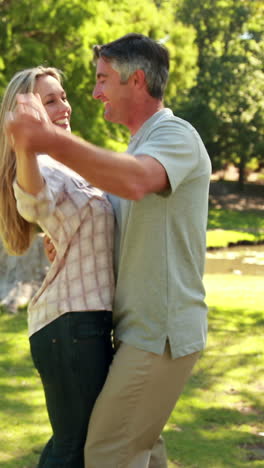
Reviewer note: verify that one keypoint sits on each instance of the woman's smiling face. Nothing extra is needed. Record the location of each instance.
(54, 99)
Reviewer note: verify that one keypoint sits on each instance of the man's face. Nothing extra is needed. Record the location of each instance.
(116, 97)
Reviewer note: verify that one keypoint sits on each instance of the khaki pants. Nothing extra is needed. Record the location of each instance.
(136, 401)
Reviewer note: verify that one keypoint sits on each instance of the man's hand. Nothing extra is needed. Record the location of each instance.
(29, 128)
(49, 249)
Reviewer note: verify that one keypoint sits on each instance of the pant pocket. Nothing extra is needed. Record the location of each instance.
(44, 352)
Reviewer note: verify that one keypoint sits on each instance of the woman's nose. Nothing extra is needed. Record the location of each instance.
(66, 106)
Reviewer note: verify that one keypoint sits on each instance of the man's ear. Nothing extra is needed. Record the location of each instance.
(139, 78)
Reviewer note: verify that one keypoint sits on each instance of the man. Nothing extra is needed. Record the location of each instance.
(159, 190)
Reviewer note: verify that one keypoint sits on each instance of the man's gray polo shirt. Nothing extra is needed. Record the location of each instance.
(161, 244)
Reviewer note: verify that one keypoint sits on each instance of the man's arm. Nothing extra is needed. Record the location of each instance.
(119, 173)
(125, 175)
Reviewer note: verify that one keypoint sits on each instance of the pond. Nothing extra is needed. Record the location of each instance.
(239, 260)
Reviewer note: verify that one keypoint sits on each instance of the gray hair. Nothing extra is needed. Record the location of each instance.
(138, 52)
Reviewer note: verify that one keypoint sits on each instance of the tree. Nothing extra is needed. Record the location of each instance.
(227, 104)
(61, 33)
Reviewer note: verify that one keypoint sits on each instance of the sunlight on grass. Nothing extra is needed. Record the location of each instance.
(24, 423)
(245, 221)
(219, 416)
(226, 226)
(231, 292)
(218, 419)
(221, 238)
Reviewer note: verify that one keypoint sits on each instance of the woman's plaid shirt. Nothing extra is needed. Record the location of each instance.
(79, 220)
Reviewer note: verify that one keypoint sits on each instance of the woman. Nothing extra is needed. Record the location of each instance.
(69, 318)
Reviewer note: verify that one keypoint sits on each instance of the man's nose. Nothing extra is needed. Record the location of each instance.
(96, 92)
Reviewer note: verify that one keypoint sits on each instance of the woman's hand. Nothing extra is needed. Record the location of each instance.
(29, 128)
(49, 248)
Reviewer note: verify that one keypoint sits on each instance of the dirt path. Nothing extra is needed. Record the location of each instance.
(225, 195)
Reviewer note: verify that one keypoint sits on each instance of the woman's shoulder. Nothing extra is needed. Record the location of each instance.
(55, 170)
(57, 173)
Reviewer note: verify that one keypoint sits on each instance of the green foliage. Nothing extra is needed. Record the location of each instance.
(61, 33)
(216, 76)
(227, 104)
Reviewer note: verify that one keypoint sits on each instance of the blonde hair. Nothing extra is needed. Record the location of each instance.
(16, 233)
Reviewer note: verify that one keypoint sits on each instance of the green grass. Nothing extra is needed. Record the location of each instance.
(217, 422)
(231, 226)
(218, 418)
(24, 426)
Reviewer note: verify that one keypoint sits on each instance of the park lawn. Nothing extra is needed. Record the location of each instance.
(224, 238)
(232, 226)
(217, 421)
(24, 426)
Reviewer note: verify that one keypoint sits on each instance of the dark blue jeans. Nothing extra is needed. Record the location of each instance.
(72, 355)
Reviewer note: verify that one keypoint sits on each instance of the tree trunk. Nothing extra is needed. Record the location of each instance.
(241, 179)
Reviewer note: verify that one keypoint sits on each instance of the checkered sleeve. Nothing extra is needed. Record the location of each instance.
(55, 213)
(34, 207)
